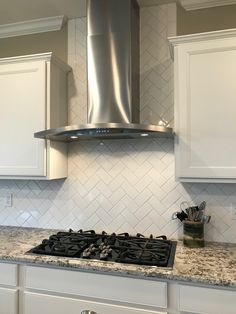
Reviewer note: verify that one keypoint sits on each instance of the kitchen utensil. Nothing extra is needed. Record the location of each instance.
(88, 312)
(190, 213)
(206, 219)
(184, 206)
(196, 212)
(193, 212)
(182, 216)
(202, 206)
(198, 215)
(179, 215)
(174, 215)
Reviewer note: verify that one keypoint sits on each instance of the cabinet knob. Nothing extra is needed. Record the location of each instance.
(88, 312)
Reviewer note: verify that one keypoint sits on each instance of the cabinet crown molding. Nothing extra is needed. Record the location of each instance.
(177, 40)
(54, 23)
(47, 56)
(203, 4)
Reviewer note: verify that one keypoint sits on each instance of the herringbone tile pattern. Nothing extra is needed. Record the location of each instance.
(121, 185)
(77, 92)
(156, 66)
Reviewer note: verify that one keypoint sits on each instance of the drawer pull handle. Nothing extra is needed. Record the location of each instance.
(88, 312)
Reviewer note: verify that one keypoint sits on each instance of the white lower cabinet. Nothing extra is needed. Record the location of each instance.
(8, 274)
(8, 301)
(140, 292)
(55, 291)
(201, 300)
(8, 289)
(42, 290)
(39, 303)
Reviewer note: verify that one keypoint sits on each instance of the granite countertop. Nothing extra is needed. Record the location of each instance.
(215, 264)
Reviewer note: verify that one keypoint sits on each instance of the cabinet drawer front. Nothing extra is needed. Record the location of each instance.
(8, 274)
(143, 292)
(8, 301)
(35, 303)
(206, 300)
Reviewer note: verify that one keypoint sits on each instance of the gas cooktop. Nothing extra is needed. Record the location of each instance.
(122, 248)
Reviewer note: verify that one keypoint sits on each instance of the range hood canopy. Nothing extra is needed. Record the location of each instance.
(113, 77)
(101, 131)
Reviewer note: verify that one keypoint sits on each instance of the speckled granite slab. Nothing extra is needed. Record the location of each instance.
(213, 265)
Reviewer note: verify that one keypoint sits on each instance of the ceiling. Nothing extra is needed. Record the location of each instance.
(13, 11)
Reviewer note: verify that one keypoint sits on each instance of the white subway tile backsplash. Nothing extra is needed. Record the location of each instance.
(143, 211)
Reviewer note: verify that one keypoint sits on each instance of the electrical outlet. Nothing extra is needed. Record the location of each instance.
(233, 212)
(8, 201)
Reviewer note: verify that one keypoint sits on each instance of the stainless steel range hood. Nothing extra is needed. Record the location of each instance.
(113, 77)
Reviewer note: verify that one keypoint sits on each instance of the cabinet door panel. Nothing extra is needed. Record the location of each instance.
(39, 303)
(120, 289)
(8, 274)
(207, 301)
(205, 109)
(8, 301)
(22, 112)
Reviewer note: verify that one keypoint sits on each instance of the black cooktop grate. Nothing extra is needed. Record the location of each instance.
(121, 248)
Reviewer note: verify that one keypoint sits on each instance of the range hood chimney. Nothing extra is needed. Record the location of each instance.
(113, 77)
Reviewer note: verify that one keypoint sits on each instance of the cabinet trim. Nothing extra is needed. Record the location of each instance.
(203, 4)
(47, 56)
(186, 39)
(49, 24)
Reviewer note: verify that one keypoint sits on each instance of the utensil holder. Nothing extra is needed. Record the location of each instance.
(193, 233)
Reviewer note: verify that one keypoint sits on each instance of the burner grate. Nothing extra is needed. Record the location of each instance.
(121, 248)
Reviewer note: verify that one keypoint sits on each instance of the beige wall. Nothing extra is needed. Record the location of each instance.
(36, 43)
(205, 20)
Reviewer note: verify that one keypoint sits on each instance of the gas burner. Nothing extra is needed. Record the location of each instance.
(142, 257)
(88, 252)
(58, 248)
(122, 248)
(105, 253)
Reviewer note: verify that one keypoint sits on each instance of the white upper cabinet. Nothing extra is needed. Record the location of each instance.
(33, 97)
(205, 106)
